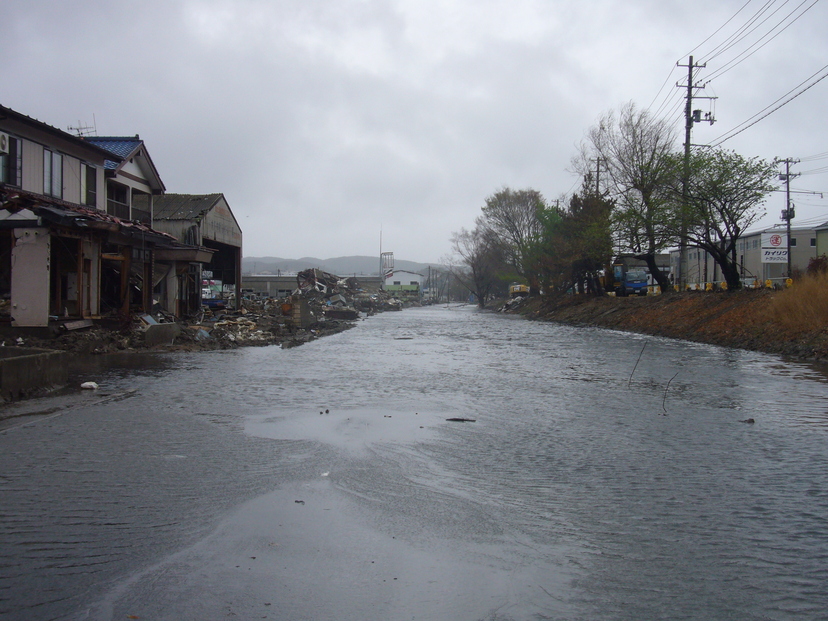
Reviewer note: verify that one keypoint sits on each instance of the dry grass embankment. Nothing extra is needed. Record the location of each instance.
(803, 306)
(793, 322)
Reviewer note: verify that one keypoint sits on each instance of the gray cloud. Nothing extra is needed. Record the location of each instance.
(322, 121)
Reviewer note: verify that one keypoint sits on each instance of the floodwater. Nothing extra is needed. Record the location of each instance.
(606, 476)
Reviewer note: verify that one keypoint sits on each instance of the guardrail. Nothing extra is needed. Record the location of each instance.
(747, 283)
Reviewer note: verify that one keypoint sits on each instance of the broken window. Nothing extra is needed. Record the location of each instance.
(117, 200)
(142, 207)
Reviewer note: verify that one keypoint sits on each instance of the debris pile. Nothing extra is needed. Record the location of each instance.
(322, 304)
(512, 304)
(341, 298)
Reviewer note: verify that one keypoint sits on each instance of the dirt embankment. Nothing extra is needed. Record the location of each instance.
(740, 319)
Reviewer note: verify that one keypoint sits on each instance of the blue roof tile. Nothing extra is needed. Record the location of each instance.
(121, 146)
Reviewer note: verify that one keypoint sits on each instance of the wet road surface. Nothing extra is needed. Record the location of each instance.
(607, 476)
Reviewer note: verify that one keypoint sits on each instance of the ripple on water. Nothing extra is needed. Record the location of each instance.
(614, 464)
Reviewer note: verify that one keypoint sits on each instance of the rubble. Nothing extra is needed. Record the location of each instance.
(322, 304)
(512, 304)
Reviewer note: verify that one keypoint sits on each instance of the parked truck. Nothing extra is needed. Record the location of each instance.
(630, 281)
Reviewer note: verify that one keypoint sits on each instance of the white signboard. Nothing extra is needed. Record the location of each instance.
(769, 255)
(774, 248)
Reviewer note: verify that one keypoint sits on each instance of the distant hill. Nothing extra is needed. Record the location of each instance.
(341, 266)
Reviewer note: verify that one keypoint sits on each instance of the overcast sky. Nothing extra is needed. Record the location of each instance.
(326, 122)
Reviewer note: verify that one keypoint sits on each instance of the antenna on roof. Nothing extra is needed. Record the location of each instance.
(85, 130)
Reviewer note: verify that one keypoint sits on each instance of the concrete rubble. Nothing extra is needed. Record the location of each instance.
(321, 304)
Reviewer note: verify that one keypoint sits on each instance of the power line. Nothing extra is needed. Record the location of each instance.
(750, 26)
(811, 221)
(669, 107)
(673, 101)
(740, 33)
(745, 30)
(751, 122)
(667, 79)
(804, 203)
(818, 156)
(715, 32)
(743, 56)
(672, 94)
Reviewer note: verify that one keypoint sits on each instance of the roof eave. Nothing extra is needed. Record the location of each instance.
(54, 131)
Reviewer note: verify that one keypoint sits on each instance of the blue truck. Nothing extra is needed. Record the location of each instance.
(630, 280)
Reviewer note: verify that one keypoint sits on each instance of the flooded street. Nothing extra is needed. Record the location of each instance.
(606, 476)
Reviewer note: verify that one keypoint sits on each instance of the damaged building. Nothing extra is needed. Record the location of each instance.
(206, 221)
(76, 241)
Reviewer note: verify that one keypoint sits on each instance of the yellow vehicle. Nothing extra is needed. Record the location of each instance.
(517, 290)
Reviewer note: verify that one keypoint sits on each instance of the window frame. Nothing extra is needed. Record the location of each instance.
(11, 163)
(52, 173)
(114, 205)
(89, 185)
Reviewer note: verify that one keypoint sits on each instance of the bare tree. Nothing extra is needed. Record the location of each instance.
(482, 253)
(635, 150)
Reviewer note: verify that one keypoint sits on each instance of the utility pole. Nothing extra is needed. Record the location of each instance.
(789, 213)
(690, 117)
(382, 279)
(598, 161)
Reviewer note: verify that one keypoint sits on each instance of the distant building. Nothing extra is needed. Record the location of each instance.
(404, 277)
(761, 256)
(270, 285)
(821, 232)
(404, 284)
